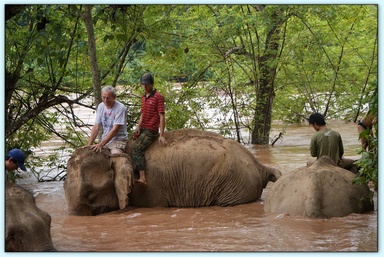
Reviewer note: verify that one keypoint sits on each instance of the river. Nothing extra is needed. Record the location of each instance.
(242, 228)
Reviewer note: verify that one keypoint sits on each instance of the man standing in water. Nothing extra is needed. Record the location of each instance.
(14, 160)
(152, 118)
(111, 116)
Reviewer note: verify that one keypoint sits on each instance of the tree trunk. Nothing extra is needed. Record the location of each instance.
(92, 53)
(263, 112)
(265, 92)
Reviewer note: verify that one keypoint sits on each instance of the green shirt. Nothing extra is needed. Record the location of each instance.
(327, 142)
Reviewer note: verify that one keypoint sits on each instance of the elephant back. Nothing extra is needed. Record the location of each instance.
(322, 190)
(199, 168)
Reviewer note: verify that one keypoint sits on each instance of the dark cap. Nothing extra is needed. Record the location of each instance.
(19, 157)
(316, 118)
(147, 79)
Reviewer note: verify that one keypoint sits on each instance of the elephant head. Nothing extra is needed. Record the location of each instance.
(96, 182)
(27, 228)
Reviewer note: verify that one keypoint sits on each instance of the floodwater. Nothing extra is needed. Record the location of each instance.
(242, 228)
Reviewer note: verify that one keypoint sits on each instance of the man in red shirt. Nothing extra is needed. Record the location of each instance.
(152, 118)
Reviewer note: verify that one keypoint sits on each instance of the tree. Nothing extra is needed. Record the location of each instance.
(267, 63)
(240, 55)
(47, 67)
(47, 73)
(96, 81)
(37, 58)
(242, 58)
(327, 62)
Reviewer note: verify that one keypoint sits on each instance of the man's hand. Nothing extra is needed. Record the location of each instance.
(162, 140)
(137, 131)
(97, 147)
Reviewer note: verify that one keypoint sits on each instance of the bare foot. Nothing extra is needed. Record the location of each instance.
(141, 182)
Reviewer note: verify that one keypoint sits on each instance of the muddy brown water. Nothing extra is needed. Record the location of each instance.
(242, 228)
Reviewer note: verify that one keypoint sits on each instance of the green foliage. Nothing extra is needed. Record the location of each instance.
(369, 162)
(327, 59)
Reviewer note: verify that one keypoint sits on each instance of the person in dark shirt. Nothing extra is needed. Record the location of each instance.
(328, 142)
(325, 141)
(14, 160)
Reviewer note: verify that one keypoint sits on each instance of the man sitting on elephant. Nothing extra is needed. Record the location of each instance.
(327, 142)
(111, 117)
(152, 118)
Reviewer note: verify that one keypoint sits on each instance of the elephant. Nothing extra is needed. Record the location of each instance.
(322, 190)
(27, 228)
(195, 169)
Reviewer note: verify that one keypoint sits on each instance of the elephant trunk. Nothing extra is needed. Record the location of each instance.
(272, 174)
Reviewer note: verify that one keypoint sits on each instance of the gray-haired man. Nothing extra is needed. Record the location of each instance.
(111, 116)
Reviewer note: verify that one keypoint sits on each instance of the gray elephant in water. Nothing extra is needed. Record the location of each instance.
(195, 169)
(322, 190)
(27, 228)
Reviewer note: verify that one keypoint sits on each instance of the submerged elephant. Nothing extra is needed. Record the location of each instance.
(322, 190)
(196, 168)
(27, 228)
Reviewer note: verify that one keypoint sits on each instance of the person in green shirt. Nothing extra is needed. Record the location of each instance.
(328, 142)
(325, 141)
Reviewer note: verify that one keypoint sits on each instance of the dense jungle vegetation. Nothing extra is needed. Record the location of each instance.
(254, 63)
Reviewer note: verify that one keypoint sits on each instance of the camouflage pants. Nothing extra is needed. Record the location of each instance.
(144, 140)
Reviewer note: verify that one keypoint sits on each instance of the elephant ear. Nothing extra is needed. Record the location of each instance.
(123, 178)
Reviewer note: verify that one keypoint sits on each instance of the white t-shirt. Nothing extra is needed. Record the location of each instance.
(109, 117)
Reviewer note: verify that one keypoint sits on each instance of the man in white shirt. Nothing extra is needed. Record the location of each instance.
(111, 115)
